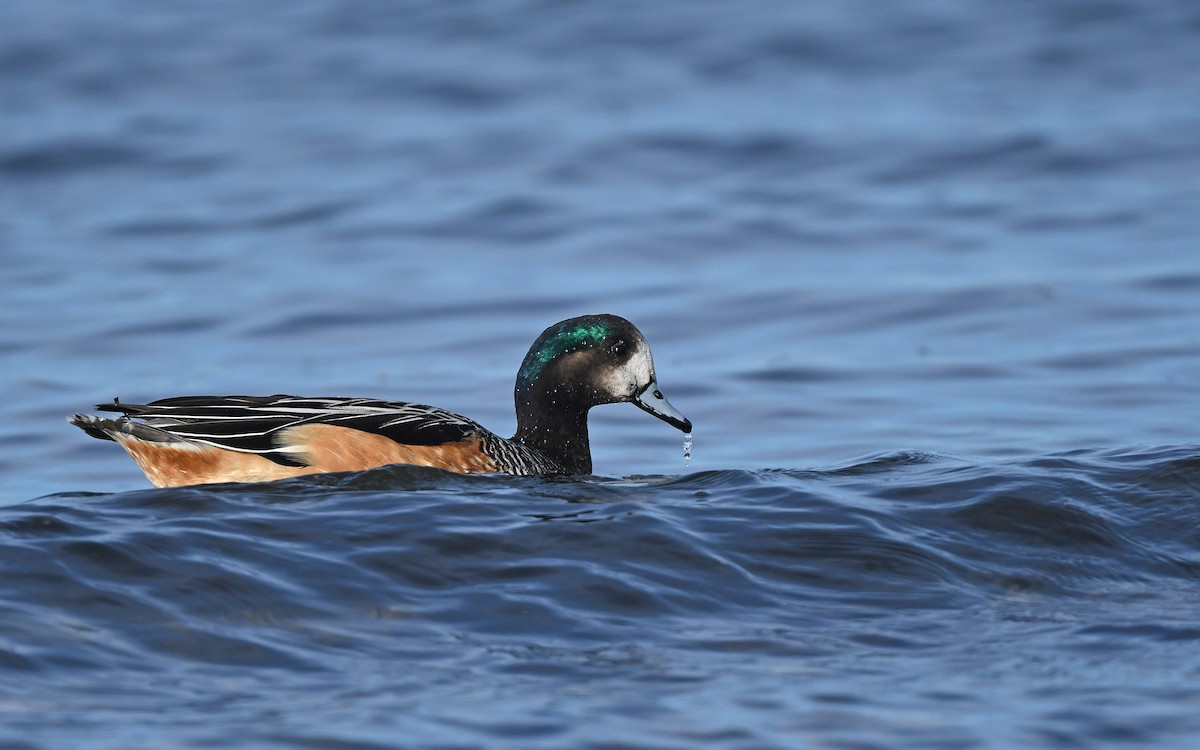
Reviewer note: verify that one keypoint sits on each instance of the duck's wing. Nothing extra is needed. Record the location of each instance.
(289, 430)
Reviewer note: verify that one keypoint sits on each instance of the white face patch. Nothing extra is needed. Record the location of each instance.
(632, 377)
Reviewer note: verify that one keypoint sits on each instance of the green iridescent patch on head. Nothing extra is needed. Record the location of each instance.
(567, 337)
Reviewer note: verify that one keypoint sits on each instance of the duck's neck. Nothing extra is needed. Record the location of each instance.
(556, 429)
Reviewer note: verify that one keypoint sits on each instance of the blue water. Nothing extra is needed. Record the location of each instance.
(926, 278)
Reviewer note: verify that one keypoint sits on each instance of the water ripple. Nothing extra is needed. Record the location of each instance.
(287, 575)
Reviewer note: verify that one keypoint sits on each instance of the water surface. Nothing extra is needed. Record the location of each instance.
(925, 279)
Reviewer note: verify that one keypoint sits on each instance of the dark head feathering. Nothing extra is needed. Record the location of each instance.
(573, 366)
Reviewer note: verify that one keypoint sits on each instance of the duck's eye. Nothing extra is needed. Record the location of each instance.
(619, 349)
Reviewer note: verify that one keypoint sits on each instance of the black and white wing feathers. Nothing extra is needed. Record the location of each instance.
(252, 424)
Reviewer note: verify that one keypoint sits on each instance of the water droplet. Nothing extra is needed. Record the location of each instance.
(687, 449)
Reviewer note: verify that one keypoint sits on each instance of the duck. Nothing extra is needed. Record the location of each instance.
(572, 366)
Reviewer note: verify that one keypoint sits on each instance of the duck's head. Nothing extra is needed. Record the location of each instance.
(591, 360)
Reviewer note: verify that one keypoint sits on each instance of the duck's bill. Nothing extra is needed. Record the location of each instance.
(652, 400)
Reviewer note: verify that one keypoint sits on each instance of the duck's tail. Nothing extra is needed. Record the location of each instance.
(105, 429)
